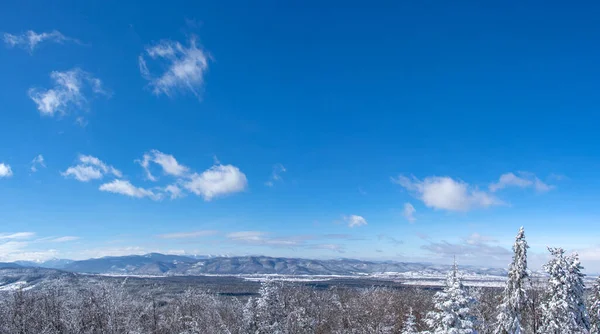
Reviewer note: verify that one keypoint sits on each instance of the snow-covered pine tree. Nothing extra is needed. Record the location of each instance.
(270, 311)
(564, 312)
(452, 308)
(514, 297)
(555, 310)
(576, 293)
(410, 324)
(249, 320)
(594, 311)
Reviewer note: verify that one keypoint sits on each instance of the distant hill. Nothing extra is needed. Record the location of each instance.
(161, 264)
(9, 265)
(15, 277)
(51, 264)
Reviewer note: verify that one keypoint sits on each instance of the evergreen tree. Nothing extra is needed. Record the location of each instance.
(576, 293)
(564, 312)
(595, 308)
(249, 321)
(270, 311)
(452, 308)
(410, 324)
(514, 299)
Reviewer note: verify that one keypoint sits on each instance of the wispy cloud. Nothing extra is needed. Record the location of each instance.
(37, 162)
(355, 220)
(390, 239)
(184, 67)
(68, 93)
(409, 212)
(29, 40)
(65, 239)
(263, 238)
(474, 247)
(173, 191)
(445, 193)
(16, 246)
(258, 238)
(186, 235)
(90, 168)
(5, 170)
(342, 236)
(278, 169)
(125, 187)
(522, 180)
(17, 235)
(219, 180)
(169, 164)
(331, 247)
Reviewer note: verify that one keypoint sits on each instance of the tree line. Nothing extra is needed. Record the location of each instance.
(558, 303)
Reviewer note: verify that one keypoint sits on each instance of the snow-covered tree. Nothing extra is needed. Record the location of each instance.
(514, 299)
(595, 308)
(249, 321)
(270, 312)
(576, 293)
(452, 313)
(564, 312)
(410, 324)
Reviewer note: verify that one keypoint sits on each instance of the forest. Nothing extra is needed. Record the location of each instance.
(558, 302)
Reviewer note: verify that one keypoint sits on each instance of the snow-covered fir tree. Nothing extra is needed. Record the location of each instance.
(594, 311)
(514, 297)
(249, 320)
(576, 293)
(452, 313)
(410, 324)
(564, 311)
(270, 313)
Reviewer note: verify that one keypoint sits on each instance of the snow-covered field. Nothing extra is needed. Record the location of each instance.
(15, 286)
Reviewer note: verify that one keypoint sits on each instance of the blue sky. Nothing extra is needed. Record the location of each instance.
(387, 131)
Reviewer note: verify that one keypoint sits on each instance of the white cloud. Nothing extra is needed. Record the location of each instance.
(168, 163)
(409, 212)
(124, 187)
(174, 191)
(447, 194)
(263, 238)
(247, 236)
(278, 169)
(473, 249)
(68, 92)
(15, 247)
(476, 239)
(523, 180)
(331, 247)
(185, 235)
(355, 221)
(184, 67)
(90, 168)
(5, 170)
(29, 40)
(65, 239)
(37, 162)
(18, 235)
(83, 173)
(17, 251)
(541, 187)
(217, 181)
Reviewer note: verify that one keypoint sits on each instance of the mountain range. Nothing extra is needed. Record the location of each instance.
(167, 265)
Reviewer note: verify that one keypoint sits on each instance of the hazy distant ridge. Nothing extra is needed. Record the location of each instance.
(161, 264)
